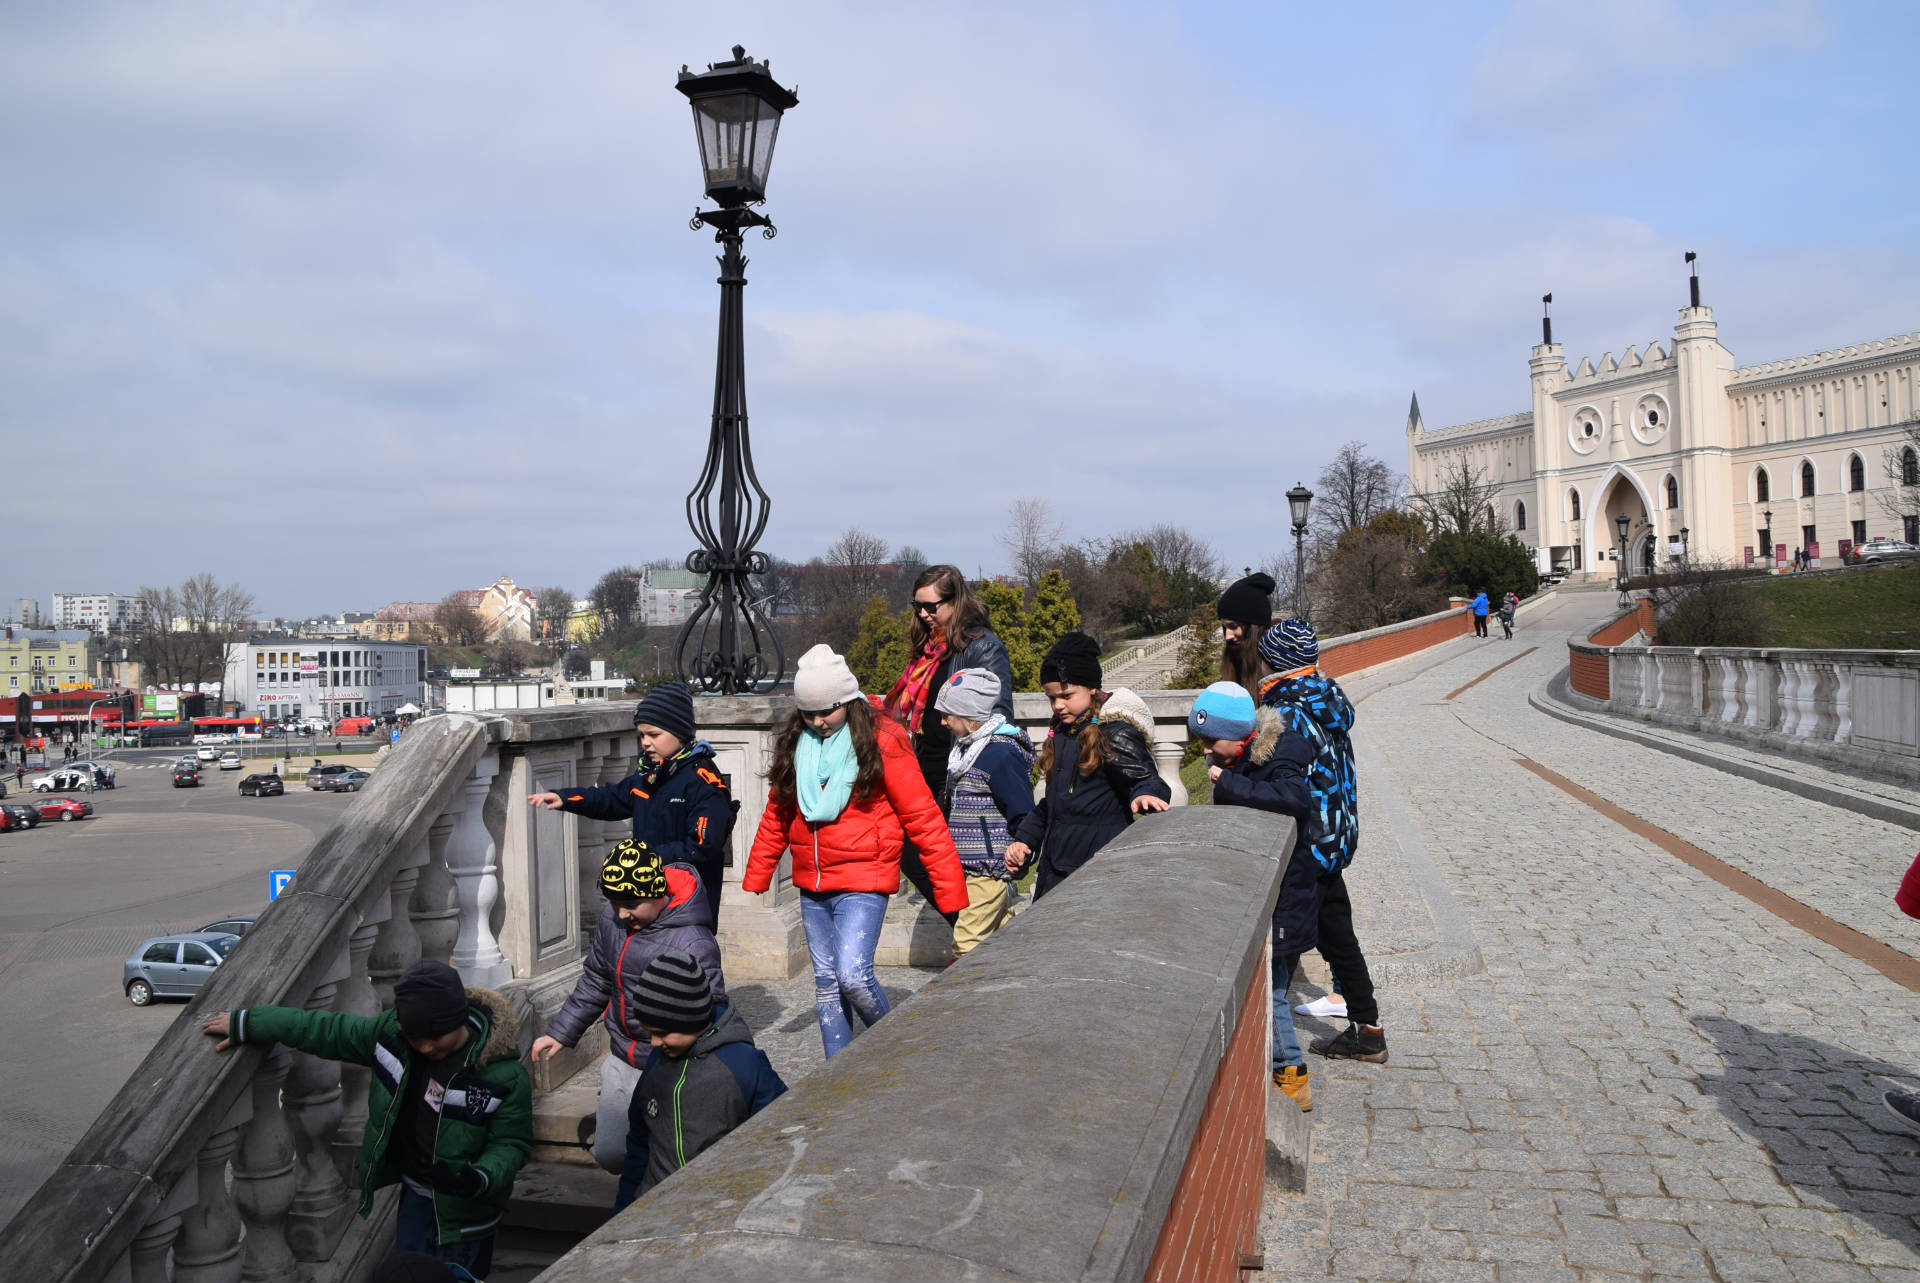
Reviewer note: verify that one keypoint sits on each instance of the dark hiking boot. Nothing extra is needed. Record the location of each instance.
(1355, 1042)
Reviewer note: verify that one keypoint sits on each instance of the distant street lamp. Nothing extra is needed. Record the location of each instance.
(1621, 523)
(1766, 553)
(737, 107)
(1683, 547)
(1298, 500)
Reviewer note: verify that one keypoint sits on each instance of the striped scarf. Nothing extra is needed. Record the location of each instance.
(908, 698)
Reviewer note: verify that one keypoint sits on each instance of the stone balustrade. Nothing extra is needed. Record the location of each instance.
(1854, 708)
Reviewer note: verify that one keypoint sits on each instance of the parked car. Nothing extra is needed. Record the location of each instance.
(173, 966)
(64, 780)
(1883, 549)
(318, 776)
(348, 781)
(206, 753)
(22, 814)
(230, 762)
(186, 775)
(266, 784)
(62, 808)
(233, 925)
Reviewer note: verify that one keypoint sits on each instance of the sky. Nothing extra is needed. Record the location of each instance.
(360, 302)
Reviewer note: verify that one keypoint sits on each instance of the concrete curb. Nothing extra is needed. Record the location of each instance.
(1555, 699)
(1455, 952)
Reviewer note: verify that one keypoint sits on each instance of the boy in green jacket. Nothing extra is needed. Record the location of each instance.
(449, 1105)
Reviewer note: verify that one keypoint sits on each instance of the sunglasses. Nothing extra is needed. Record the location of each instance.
(928, 607)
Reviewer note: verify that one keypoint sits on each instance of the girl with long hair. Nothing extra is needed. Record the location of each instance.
(844, 795)
(1245, 611)
(1097, 764)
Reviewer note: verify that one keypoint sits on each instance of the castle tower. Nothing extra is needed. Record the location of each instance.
(1703, 429)
(1547, 369)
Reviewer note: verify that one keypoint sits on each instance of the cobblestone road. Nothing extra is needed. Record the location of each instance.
(1654, 1078)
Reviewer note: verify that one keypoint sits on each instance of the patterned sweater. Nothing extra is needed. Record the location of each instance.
(987, 801)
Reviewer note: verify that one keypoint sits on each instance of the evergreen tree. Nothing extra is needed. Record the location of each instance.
(1482, 562)
(878, 654)
(1009, 623)
(1197, 664)
(1052, 614)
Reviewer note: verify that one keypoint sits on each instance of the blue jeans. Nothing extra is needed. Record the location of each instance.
(1286, 1043)
(843, 927)
(414, 1231)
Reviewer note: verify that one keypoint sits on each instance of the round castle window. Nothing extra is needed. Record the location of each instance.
(1584, 429)
(1651, 418)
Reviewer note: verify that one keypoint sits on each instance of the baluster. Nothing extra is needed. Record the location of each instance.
(147, 1259)
(473, 860)
(435, 907)
(208, 1250)
(1166, 758)
(263, 1179)
(321, 1203)
(1843, 703)
(396, 946)
(355, 997)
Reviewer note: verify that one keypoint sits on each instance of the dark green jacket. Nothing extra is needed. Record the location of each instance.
(486, 1120)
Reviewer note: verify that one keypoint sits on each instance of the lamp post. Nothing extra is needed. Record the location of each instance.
(737, 107)
(1683, 547)
(1766, 553)
(1298, 499)
(1620, 523)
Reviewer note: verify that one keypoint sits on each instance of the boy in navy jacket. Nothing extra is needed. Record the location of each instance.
(704, 1078)
(680, 806)
(1256, 759)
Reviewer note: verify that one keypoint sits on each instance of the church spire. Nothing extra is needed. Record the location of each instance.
(1413, 416)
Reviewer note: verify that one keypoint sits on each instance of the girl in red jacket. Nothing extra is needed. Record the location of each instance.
(844, 792)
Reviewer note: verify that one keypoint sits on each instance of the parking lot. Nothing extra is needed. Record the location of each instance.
(75, 898)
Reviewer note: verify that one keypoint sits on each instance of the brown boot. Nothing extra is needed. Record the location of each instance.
(1292, 1079)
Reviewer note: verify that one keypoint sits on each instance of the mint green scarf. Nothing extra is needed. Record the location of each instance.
(823, 774)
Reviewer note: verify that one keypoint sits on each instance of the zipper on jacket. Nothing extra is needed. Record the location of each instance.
(679, 1140)
(816, 856)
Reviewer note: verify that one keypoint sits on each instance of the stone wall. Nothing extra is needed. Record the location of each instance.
(1340, 656)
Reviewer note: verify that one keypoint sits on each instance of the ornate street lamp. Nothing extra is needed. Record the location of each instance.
(1683, 547)
(1766, 553)
(1297, 500)
(1621, 523)
(736, 117)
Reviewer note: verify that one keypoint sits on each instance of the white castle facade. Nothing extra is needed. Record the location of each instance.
(1746, 459)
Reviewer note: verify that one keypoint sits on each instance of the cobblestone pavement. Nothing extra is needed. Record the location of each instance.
(1654, 1078)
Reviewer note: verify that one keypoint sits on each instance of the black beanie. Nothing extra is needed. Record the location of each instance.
(430, 1000)
(1248, 601)
(1074, 659)
(670, 707)
(673, 994)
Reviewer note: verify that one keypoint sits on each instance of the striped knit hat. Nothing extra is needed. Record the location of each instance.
(1290, 644)
(672, 994)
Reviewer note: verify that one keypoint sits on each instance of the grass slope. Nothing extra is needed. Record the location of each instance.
(1866, 609)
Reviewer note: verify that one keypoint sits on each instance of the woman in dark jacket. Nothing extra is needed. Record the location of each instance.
(949, 633)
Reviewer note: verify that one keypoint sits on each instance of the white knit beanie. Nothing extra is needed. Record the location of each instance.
(823, 680)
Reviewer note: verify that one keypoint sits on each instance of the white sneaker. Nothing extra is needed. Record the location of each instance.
(1329, 1006)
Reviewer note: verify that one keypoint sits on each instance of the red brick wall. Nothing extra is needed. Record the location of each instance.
(1340, 658)
(1589, 673)
(1215, 1213)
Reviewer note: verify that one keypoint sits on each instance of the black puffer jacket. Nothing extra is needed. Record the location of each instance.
(1272, 776)
(1081, 814)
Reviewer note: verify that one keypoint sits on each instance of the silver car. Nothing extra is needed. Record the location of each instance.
(173, 966)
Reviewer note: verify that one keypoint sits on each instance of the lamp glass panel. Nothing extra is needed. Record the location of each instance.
(736, 134)
(1298, 503)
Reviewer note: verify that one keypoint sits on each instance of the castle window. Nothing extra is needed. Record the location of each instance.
(1806, 480)
(1909, 467)
(1519, 516)
(1856, 474)
(1762, 487)
(1673, 493)
(1573, 496)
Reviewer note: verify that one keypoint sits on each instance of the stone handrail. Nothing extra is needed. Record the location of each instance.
(1130, 1010)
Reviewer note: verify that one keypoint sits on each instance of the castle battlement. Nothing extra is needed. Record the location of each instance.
(1899, 345)
(1503, 422)
(1629, 365)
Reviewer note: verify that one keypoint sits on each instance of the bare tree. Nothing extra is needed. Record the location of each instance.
(1178, 551)
(1461, 502)
(616, 597)
(857, 557)
(1354, 488)
(552, 607)
(1900, 465)
(182, 633)
(1031, 538)
(459, 623)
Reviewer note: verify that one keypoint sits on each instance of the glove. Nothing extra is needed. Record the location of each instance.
(461, 1182)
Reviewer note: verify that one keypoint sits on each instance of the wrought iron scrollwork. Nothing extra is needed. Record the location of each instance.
(734, 647)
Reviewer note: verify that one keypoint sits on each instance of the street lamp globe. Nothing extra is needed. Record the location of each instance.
(1297, 499)
(736, 118)
(1621, 523)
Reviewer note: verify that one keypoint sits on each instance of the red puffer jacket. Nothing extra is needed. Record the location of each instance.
(860, 851)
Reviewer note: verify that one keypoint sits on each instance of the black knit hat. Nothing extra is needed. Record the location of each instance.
(430, 1000)
(1248, 601)
(670, 707)
(672, 994)
(1074, 659)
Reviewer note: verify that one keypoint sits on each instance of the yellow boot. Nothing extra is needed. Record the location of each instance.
(1292, 1079)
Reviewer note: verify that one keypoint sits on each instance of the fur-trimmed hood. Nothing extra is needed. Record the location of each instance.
(1266, 733)
(503, 1033)
(1124, 705)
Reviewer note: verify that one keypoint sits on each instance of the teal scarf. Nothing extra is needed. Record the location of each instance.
(823, 774)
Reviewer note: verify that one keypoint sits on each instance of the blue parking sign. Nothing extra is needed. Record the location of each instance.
(393, 736)
(277, 881)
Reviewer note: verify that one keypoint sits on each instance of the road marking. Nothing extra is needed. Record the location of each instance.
(1888, 961)
(1490, 672)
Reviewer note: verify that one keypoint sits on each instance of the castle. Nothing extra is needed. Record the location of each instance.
(1749, 462)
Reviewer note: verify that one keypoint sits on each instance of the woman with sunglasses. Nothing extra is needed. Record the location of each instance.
(844, 795)
(949, 632)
